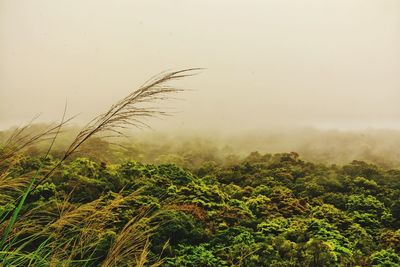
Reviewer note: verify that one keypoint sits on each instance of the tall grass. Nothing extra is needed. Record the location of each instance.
(72, 237)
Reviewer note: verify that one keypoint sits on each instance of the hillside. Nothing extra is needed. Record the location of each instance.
(264, 210)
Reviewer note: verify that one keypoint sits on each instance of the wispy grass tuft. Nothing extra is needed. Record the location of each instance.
(71, 237)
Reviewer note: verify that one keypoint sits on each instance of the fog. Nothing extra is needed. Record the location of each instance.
(268, 63)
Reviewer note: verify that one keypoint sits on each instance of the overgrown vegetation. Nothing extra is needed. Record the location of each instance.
(75, 208)
(71, 234)
(266, 210)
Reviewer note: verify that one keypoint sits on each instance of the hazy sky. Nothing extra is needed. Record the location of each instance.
(317, 62)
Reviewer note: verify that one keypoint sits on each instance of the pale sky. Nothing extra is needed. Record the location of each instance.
(324, 63)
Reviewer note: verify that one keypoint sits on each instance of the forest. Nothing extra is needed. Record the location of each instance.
(262, 210)
(92, 202)
(190, 133)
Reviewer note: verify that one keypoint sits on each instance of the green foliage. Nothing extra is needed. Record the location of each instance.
(43, 192)
(195, 256)
(385, 258)
(266, 210)
(177, 228)
(368, 211)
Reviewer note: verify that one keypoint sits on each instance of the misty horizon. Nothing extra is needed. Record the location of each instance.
(323, 64)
